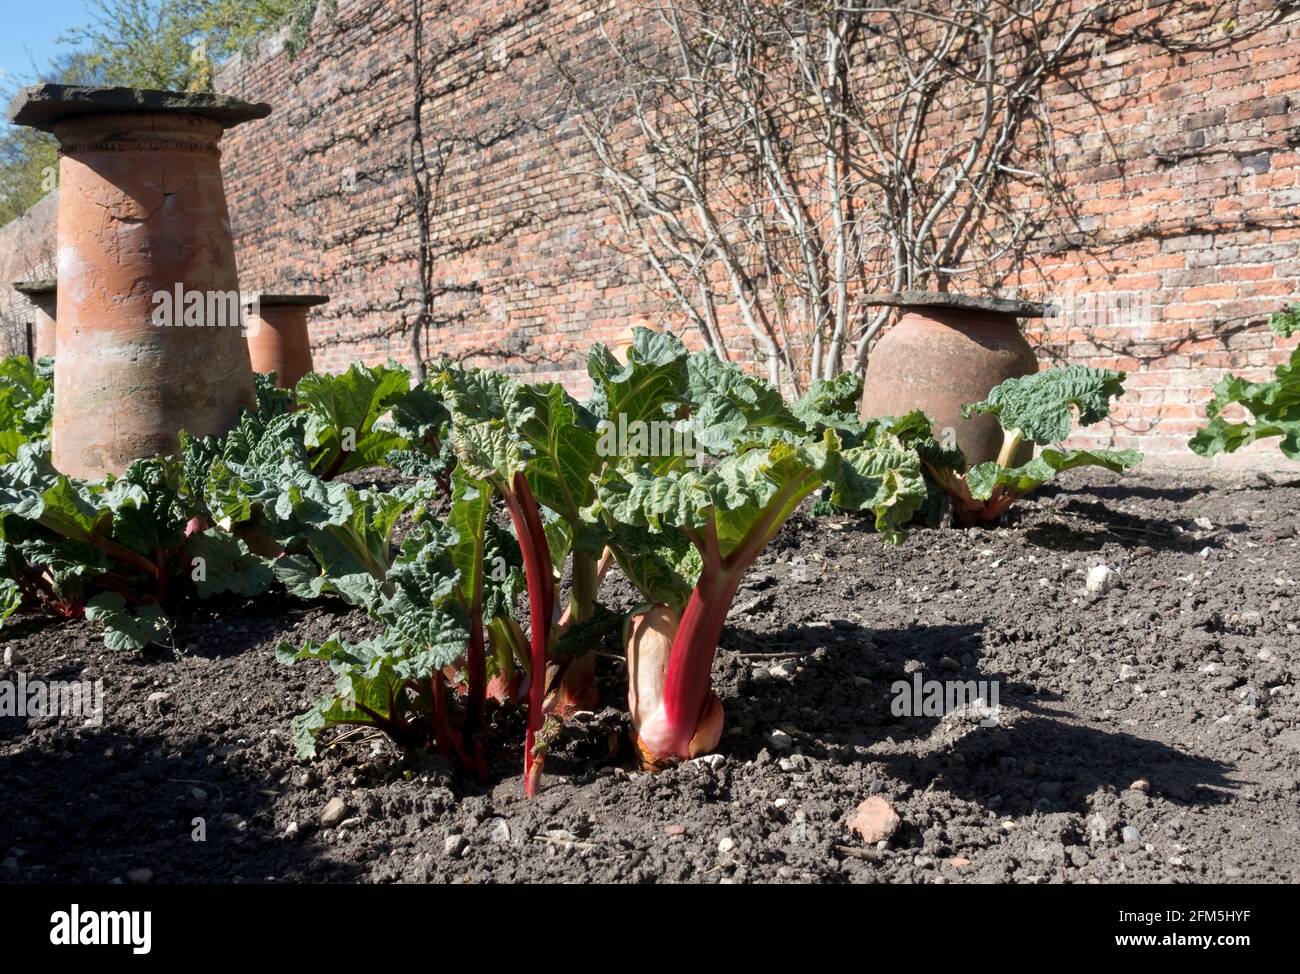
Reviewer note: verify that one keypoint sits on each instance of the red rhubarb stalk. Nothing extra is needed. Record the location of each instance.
(538, 573)
(687, 721)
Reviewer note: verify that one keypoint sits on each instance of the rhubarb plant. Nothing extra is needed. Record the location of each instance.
(491, 453)
(122, 551)
(326, 537)
(1041, 409)
(1272, 408)
(449, 584)
(542, 453)
(687, 534)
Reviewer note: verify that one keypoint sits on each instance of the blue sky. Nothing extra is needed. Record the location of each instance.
(29, 31)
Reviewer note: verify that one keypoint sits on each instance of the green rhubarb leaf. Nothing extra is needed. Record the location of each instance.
(124, 628)
(1273, 411)
(26, 397)
(983, 478)
(831, 402)
(31, 489)
(11, 598)
(489, 450)
(884, 481)
(426, 616)
(1286, 323)
(563, 441)
(1040, 405)
(219, 562)
(271, 399)
(662, 565)
(11, 441)
(419, 414)
(348, 533)
(471, 507)
(369, 691)
(731, 409)
(148, 505)
(343, 412)
(649, 386)
(473, 395)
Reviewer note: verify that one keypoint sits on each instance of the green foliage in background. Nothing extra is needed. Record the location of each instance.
(170, 44)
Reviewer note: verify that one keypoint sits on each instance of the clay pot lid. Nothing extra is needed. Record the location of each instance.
(302, 300)
(41, 106)
(44, 285)
(968, 302)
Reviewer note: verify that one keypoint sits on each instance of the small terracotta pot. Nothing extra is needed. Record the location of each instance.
(142, 214)
(947, 350)
(43, 295)
(277, 335)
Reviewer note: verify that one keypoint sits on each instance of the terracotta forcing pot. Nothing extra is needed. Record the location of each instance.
(277, 335)
(149, 339)
(947, 350)
(43, 296)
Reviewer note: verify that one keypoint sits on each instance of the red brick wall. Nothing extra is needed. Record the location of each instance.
(1183, 168)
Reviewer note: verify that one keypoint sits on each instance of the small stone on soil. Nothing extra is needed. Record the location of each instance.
(875, 820)
(454, 845)
(780, 740)
(1101, 579)
(157, 699)
(726, 844)
(1130, 835)
(334, 813)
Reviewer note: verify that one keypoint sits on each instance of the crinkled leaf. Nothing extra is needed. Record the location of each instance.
(369, 690)
(563, 440)
(1039, 405)
(11, 598)
(343, 411)
(1274, 409)
(831, 402)
(125, 628)
(650, 385)
(227, 565)
(983, 478)
(731, 409)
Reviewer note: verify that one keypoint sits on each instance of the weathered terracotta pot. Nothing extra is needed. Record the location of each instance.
(277, 335)
(43, 296)
(149, 339)
(947, 350)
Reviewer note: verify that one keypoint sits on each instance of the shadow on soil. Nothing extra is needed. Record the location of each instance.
(1037, 758)
(111, 803)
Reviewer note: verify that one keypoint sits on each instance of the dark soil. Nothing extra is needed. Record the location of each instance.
(1183, 680)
